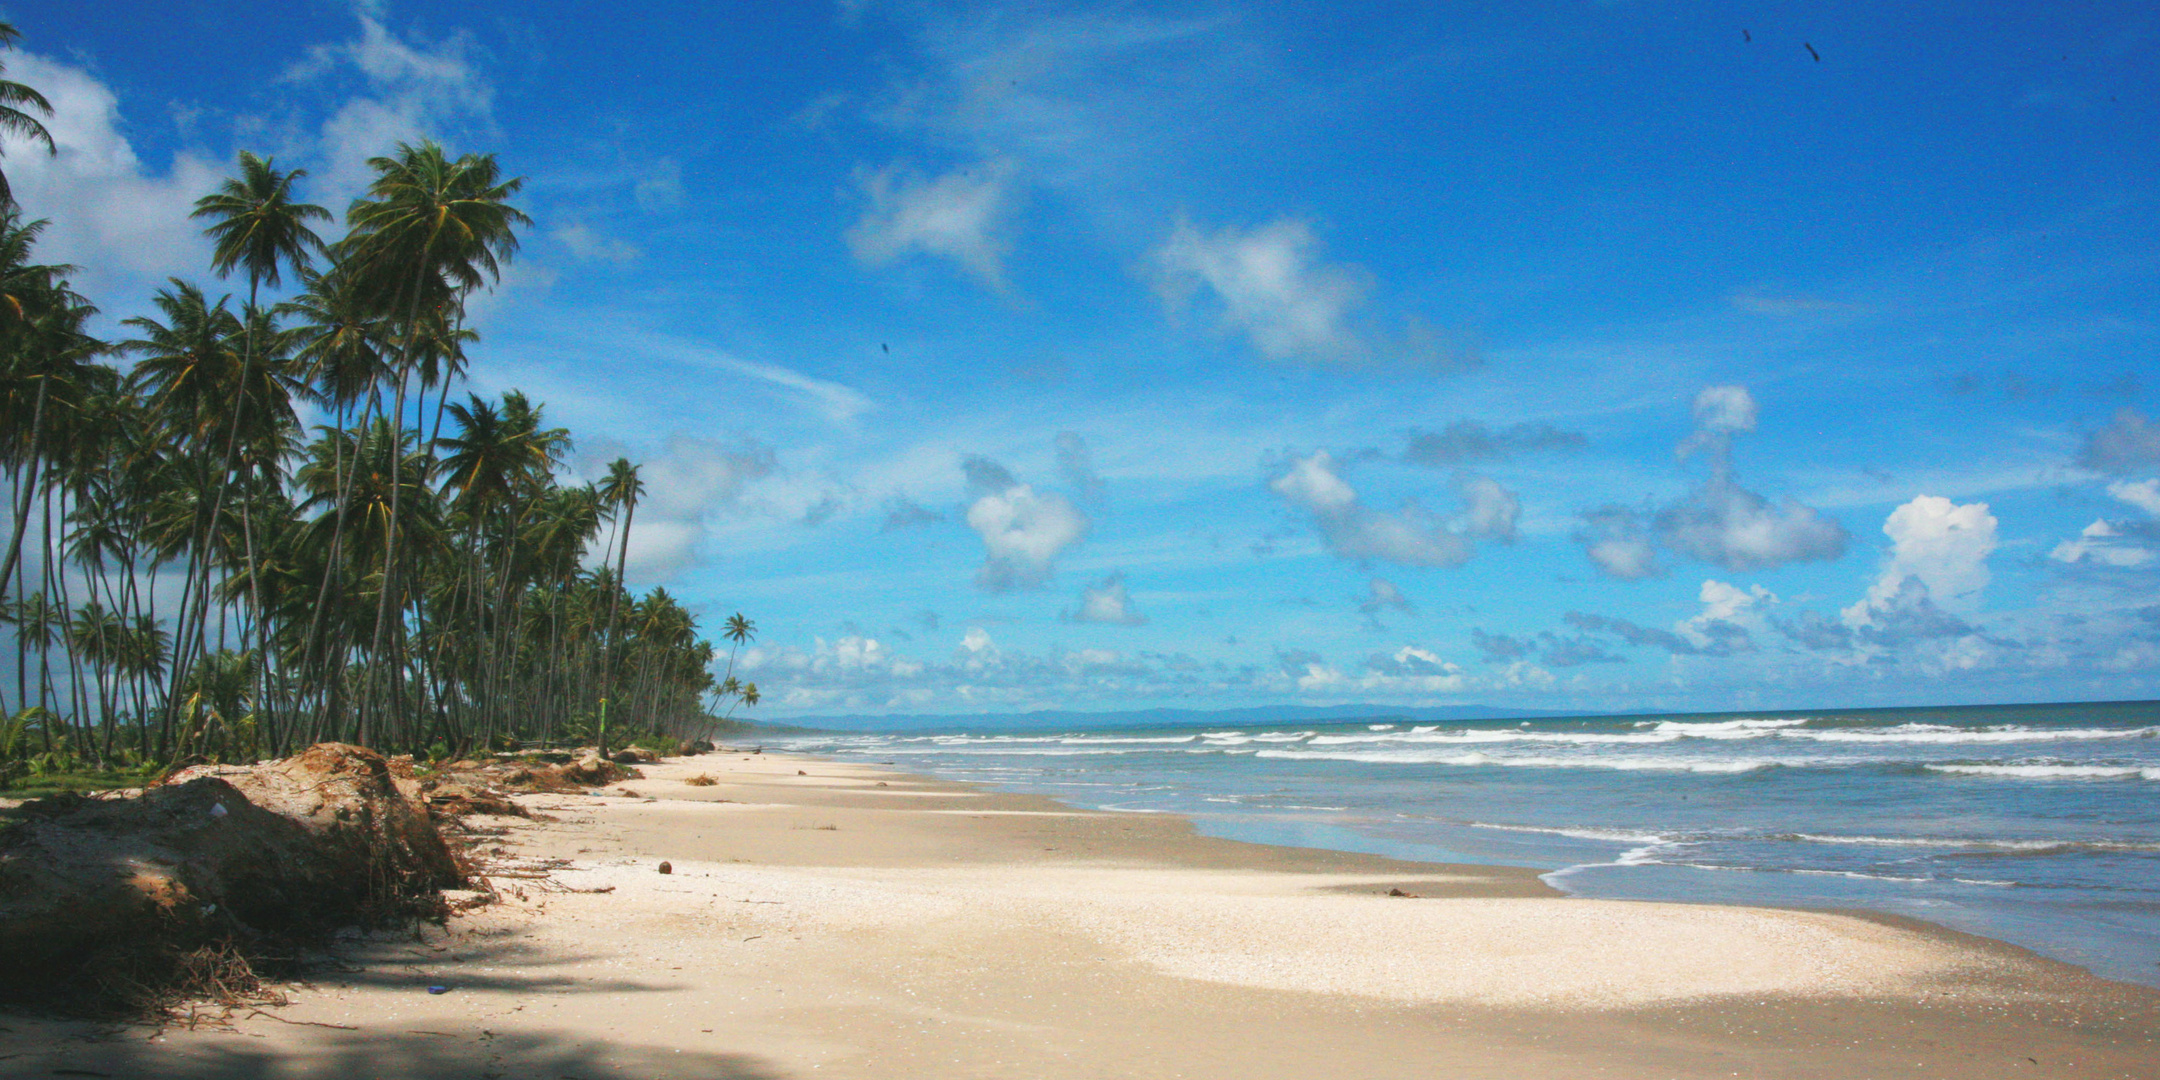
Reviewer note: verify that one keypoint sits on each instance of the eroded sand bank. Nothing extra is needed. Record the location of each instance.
(828, 919)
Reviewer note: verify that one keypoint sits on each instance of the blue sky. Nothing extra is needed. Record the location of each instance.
(996, 356)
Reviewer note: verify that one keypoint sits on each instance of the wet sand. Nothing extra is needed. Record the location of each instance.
(828, 919)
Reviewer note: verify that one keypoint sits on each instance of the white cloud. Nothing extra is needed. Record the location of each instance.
(589, 245)
(1270, 285)
(1311, 483)
(1023, 533)
(1720, 412)
(959, 216)
(1940, 546)
(1729, 613)
(1408, 670)
(1411, 535)
(1726, 524)
(1617, 540)
(1737, 529)
(409, 89)
(2144, 494)
(2102, 543)
(2118, 545)
(1492, 509)
(1107, 602)
(124, 223)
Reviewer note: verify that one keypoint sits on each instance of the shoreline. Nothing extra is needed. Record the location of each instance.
(835, 918)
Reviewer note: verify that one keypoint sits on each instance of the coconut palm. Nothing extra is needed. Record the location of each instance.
(429, 231)
(620, 489)
(257, 224)
(17, 103)
(44, 349)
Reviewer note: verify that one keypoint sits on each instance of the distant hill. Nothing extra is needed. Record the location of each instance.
(1255, 716)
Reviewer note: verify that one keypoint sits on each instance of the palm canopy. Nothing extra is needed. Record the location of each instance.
(498, 454)
(621, 487)
(339, 338)
(258, 224)
(430, 228)
(191, 360)
(26, 286)
(17, 103)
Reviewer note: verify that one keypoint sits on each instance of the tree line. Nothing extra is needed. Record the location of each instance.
(193, 574)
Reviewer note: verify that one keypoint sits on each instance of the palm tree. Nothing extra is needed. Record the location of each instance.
(192, 369)
(17, 102)
(43, 347)
(429, 231)
(621, 488)
(257, 224)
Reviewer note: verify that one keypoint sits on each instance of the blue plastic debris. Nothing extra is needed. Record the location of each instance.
(438, 989)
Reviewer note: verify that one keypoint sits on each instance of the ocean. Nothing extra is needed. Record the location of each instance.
(2038, 825)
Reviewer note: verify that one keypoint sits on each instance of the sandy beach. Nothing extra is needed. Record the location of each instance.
(826, 919)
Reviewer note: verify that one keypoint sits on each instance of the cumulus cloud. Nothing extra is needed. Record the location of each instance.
(1719, 522)
(1617, 539)
(2129, 443)
(2117, 544)
(124, 223)
(1465, 442)
(1720, 413)
(1577, 651)
(1907, 615)
(1726, 524)
(1499, 648)
(1813, 630)
(1410, 535)
(1492, 509)
(1023, 532)
(1940, 546)
(1729, 615)
(1106, 602)
(960, 216)
(1270, 285)
(1735, 528)
(1724, 627)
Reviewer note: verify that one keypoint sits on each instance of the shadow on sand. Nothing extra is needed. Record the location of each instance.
(351, 1055)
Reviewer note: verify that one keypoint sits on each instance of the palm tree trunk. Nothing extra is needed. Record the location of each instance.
(24, 494)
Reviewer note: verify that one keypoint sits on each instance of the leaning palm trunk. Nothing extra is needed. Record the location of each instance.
(28, 485)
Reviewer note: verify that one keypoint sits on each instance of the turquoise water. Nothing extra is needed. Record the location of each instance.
(2038, 825)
